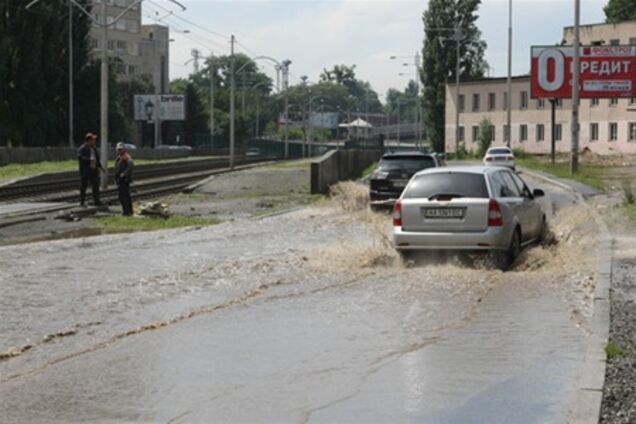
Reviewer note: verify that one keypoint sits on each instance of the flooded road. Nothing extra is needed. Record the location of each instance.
(303, 317)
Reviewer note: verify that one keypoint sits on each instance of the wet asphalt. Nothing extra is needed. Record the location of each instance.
(303, 317)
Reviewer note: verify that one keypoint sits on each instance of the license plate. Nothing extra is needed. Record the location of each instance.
(399, 183)
(444, 213)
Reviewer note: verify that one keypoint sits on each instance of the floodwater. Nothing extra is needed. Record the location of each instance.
(308, 316)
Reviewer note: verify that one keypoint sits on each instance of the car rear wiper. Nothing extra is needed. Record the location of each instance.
(445, 195)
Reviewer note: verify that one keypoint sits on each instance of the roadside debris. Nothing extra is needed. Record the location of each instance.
(155, 209)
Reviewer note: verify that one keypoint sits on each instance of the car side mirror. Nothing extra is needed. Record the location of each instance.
(537, 192)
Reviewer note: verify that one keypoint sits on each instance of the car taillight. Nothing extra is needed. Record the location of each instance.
(510, 157)
(494, 214)
(488, 159)
(397, 214)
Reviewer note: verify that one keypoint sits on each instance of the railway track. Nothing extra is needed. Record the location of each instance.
(150, 180)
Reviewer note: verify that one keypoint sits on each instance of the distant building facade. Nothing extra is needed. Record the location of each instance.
(142, 49)
(606, 125)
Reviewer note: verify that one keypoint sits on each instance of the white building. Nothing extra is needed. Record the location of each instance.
(607, 125)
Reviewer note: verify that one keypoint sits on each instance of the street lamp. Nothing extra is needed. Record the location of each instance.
(417, 64)
(104, 73)
(458, 37)
(280, 66)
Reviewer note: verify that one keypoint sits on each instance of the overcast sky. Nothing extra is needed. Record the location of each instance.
(317, 34)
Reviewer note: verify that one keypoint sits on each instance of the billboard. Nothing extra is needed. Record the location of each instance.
(324, 120)
(166, 107)
(606, 71)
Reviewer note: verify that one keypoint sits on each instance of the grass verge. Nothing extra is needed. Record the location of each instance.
(19, 170)
(630, 210)
(292, 164)
(613, 350)
(591, 175)
(119, 224)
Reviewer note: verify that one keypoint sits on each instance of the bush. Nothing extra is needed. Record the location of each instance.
(485, 135)
(519, 153)
(462, 152)
(628, 193)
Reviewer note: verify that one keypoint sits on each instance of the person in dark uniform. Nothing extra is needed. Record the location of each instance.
(89, 167)
(123, 178)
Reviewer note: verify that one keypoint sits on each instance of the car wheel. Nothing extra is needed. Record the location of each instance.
(405, 255)
(505, 259)
(543, 231)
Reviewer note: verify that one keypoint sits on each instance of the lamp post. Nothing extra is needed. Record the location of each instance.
(104, 74)
(508, 132)
(281, 66)
(574, 163)
(417, 64)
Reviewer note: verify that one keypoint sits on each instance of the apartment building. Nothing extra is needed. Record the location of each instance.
(143, 49)
(606, 125)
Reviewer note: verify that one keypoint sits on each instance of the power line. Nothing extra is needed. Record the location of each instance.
(218, 34)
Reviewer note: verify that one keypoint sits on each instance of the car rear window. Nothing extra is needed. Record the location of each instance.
(499, 152)
(458, 183)
(409, 163)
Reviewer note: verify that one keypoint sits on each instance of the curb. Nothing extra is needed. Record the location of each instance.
(589, 395)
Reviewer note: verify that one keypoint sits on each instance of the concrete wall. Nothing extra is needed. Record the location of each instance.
(339, 165)
(10, 155)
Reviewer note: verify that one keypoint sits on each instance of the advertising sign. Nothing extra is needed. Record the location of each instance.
(166, 107)
(324, 120)
(606, 71)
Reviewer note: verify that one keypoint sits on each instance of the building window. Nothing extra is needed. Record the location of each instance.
(523, 133)
(593, 132)
(614, 42)
(476, 101)
(540, 104)
(505, 102)
(557, 132)
(613, 102)
(133, 26)
(121, 46)
(597, 43)
(462, 102)
(558, 103)
(492, 133)
(594, 102)
(492, 101)
(632, 41)
(506, 133)
(632, 131)
(460, 136)
(121, 25)
(523, 101)
(111, 45)
(540, 132)
(131, 70)
(475, 133)
(632, 101)
(133, 49)
(94, 43)
(121, 68)
(613, 131)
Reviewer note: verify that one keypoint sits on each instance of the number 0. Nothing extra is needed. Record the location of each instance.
(559, 68)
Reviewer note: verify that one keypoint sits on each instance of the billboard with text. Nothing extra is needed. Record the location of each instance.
(606, 71)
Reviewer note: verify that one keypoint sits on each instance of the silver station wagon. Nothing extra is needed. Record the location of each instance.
(469, 208)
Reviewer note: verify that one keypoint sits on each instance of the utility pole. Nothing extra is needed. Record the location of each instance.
(508, 131)
(286, 64)
(417, 99)
(212, 71)
(232, 90)
(70, 75)
(574, 165)
(196, 56)
(103, 134)
(458, 36)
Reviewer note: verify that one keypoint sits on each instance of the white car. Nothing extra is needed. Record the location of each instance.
(500, 156)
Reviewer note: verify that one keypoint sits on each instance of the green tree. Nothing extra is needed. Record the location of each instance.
(405, 102)
(34, 70)
(620, 10)
(439, 57)
(486, 130)
(363, 96)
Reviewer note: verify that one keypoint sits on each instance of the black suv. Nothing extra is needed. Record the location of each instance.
(393, 173)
